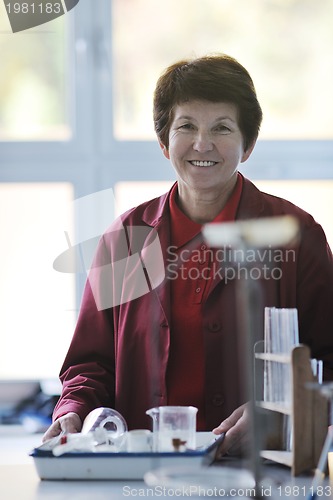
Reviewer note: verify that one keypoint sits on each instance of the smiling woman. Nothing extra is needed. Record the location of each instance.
(184, 354)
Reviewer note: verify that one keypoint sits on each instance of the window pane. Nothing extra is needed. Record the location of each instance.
(34, 82)
(37, 304)
(286, 46)
(316, 197)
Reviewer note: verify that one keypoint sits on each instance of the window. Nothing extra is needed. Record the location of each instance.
(37, 304)
(44, 146)
(292, 69)
(315, 197)
(34, 82)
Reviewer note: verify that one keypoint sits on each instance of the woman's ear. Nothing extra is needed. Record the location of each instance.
(247, 153)
(165, 150)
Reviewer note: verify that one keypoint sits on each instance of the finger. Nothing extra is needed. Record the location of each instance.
(68, 427)
(231, 440)
(240, 446)
(70, 423)
(223, 427)
(230, 445)
(53, 431)
(226, 424)
(231, 421)
(234, 443)
(234, 419)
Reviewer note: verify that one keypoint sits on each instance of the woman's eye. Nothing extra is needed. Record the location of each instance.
(222, 128)
(186, 126)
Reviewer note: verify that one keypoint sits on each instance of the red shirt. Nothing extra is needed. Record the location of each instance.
(190, 277)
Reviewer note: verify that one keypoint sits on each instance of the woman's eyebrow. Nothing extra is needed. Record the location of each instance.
(226, 117)
(184, 117)
(220, 118)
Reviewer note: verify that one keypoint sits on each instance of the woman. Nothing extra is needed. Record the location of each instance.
(176, 341)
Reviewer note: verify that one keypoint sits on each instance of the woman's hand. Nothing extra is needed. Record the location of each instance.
(69, 423)
(236, 428)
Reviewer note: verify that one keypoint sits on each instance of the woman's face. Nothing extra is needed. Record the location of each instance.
(205, 145)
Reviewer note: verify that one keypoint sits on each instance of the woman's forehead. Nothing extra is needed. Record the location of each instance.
(198, 108)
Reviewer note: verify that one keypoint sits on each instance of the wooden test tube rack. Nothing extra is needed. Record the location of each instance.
(308, 411)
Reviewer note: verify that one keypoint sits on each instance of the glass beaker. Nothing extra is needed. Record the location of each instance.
(154, 413)
(174, 427)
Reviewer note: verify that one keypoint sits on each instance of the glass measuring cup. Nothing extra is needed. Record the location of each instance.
(174, 427)
(154, 413)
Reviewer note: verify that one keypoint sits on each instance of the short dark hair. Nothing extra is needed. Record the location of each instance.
(215, 78)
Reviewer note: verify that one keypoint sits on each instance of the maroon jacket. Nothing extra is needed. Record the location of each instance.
(119, 353)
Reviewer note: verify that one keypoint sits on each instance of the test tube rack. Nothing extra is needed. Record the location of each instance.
(308, 411)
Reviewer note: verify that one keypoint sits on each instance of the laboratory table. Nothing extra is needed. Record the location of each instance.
(19, 479)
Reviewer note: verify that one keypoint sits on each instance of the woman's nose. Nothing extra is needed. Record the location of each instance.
(203, 143)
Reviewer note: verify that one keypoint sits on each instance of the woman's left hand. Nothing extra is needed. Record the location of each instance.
(236, 427)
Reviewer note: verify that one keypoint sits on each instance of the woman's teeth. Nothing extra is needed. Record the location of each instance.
(203, 163)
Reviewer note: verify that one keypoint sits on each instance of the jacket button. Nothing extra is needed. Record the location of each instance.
(218, 400)
(214, 326)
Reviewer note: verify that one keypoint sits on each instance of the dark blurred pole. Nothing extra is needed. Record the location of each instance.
(250, 330)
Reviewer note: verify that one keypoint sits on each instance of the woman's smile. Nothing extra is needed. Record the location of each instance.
(200, 163)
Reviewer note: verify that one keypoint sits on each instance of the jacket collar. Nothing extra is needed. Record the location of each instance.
(157, 209)
(251, 205)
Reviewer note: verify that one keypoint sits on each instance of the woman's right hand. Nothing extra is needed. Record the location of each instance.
(69, 423)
